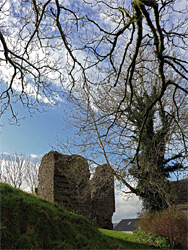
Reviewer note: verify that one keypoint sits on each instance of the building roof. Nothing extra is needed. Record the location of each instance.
(127, 225)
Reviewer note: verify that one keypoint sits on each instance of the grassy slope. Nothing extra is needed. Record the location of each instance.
(28, 222)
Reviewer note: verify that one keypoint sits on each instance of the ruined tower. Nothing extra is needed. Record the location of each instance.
(102, 196)
(65, 179)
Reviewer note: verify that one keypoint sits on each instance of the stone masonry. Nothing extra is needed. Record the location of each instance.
(65, 179)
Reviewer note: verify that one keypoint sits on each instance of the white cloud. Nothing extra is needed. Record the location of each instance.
(4, 154)
(35, 156)
(126, 208)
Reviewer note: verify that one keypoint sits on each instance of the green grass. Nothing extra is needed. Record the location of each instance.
(128, 241)
(29, 222)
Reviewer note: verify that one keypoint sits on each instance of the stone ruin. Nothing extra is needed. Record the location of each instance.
(65, 179)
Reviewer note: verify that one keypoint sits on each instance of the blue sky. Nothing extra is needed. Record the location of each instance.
(34, 135)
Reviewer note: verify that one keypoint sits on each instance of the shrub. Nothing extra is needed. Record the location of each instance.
(162, 242)
(171, 224)
(151, 239)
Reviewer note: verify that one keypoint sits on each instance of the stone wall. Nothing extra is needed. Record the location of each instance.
(46, 187)
(65, 179)
(102, 196)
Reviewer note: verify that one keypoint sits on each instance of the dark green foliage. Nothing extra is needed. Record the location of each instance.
(150, 168)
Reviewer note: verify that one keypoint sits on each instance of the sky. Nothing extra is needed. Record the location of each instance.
(36, 135)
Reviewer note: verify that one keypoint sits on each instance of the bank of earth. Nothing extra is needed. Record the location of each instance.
(29, 222)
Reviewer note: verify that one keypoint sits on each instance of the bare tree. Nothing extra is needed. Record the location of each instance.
(162, 147)
(32, 170)
(47, 45)
(13, 170)
(20, 171)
